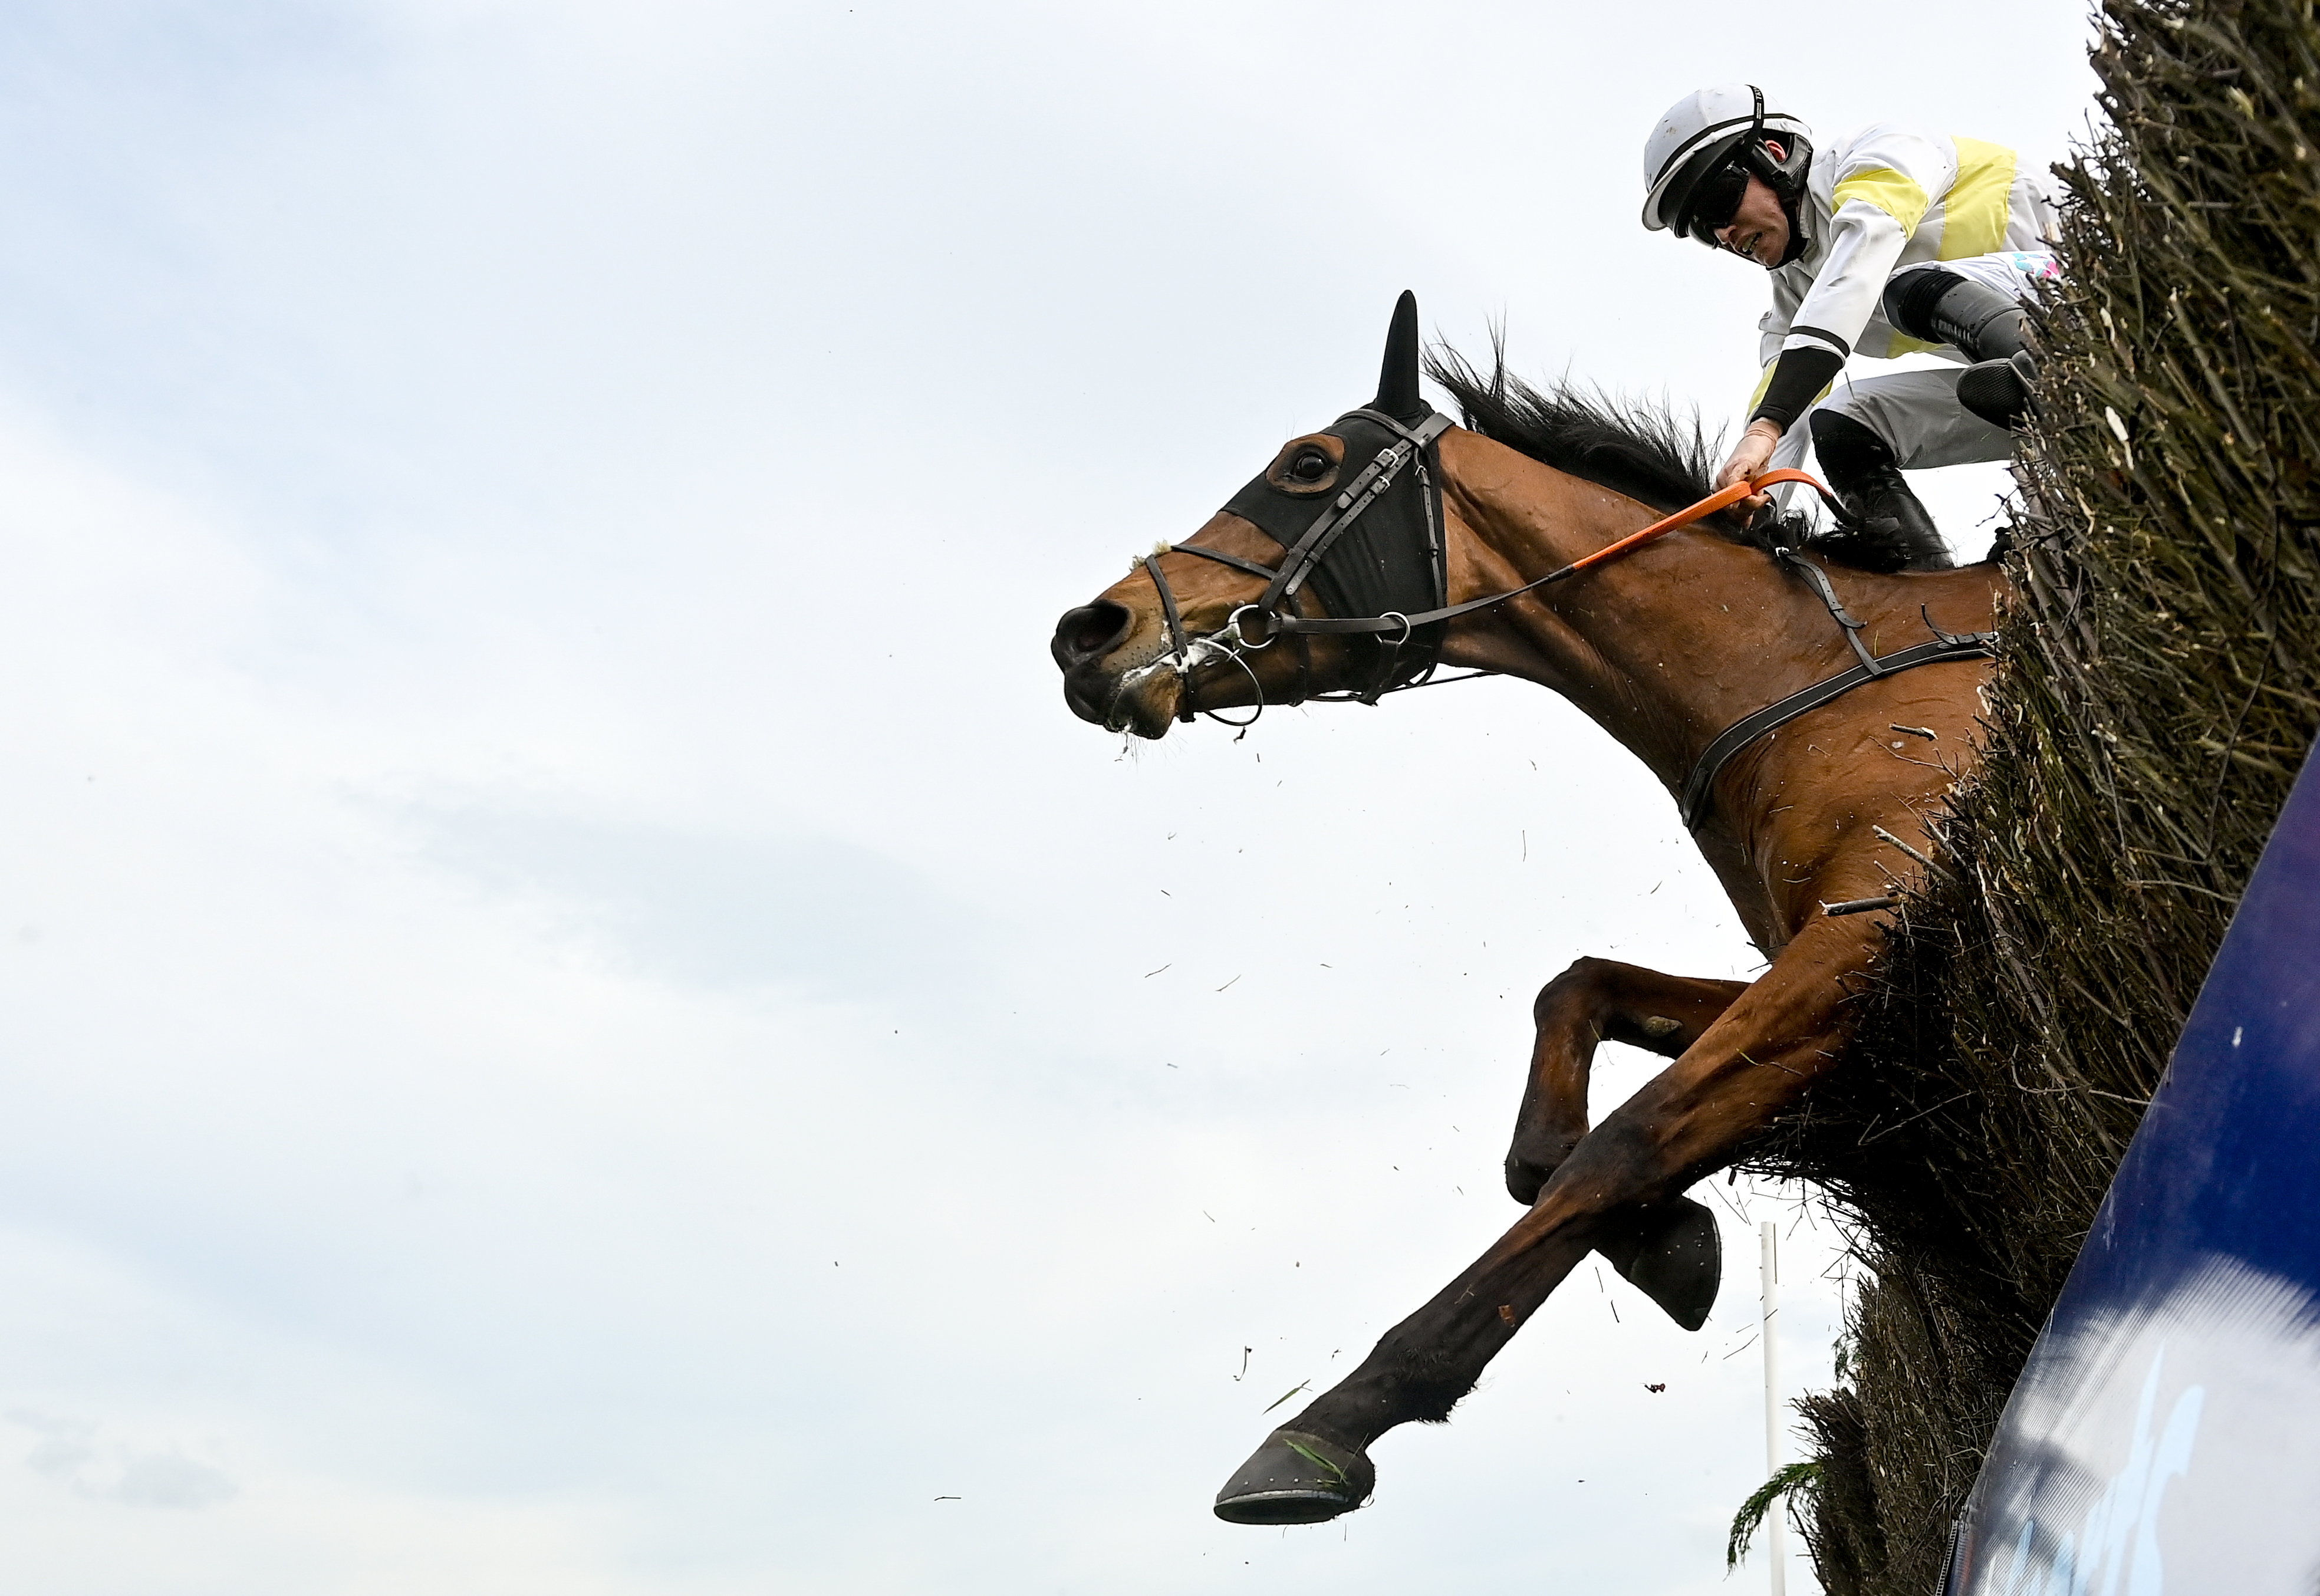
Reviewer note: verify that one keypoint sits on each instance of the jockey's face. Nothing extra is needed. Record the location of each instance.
(1759, 228)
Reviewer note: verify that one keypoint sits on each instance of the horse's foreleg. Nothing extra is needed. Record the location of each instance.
(1774, 1041)
(1596, 1001)
(1672, 1252)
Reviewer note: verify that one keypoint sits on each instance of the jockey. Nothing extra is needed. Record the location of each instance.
(1890, 241)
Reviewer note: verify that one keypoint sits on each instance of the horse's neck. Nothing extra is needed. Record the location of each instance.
(1662, 648)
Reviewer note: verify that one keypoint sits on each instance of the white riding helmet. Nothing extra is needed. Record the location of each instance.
(1707, 129)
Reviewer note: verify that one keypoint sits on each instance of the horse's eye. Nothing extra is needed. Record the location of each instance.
(1311, 466)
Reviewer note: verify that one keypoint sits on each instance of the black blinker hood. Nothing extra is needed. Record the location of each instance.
(1389, 560)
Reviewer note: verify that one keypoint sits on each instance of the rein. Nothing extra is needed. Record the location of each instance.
(1302, 559)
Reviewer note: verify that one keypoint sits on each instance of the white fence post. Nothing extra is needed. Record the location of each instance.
(1776, 1539)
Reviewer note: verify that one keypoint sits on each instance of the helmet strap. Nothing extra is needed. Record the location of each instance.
(1783, 174)
(1793, 203)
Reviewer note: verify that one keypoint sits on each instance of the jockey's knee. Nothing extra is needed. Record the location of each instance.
(1934, 303)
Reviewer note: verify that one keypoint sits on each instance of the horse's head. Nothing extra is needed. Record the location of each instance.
(1302, 587)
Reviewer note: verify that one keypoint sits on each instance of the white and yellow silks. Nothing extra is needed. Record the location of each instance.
(1879, 200)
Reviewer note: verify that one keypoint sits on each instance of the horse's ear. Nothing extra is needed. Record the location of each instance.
(1397, 394)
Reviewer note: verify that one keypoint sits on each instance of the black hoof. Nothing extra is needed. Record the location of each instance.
(1673, 1255)
(1296, 1478)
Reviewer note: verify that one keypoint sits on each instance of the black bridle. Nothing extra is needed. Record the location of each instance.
(1389, 580)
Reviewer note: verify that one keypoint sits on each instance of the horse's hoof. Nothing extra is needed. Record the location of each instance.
(1672, 1254)
(1296, 1478)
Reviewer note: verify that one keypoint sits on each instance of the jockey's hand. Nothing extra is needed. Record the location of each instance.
(1749, 457)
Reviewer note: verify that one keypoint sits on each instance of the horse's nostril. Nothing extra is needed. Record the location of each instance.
(1091, 633)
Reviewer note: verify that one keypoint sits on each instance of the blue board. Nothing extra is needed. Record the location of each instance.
(2164, 1437)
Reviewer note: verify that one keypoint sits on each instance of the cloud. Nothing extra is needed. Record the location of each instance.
(70, 1452)
(816, 913)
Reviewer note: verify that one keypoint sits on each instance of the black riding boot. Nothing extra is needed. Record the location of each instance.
(1895, 533)
(1935, 303)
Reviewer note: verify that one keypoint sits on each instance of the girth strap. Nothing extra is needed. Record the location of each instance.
(1692, 803)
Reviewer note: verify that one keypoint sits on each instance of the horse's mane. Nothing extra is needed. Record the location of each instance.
(1647, 451)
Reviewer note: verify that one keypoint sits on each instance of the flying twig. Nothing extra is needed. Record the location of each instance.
(1285, 1395)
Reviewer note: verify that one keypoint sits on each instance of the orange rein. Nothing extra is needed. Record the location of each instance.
(1722, 499)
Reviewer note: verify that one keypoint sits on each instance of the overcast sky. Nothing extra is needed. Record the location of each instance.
(580, 1018)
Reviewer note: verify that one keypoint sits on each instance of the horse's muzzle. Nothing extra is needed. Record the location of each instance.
(1088, 633)
(1098, 686)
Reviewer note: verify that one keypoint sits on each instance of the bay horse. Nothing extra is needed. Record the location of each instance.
(1392, 542)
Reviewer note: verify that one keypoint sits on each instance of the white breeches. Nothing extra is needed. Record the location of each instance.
(1917, 412)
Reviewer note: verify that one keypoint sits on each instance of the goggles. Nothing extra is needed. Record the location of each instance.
(1714, 201)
